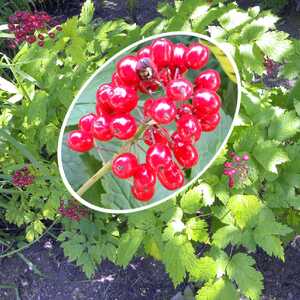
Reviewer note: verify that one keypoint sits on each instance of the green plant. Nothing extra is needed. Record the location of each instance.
(231, 223)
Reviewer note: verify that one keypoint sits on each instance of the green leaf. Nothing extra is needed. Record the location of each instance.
(234, 19)
(128, 246)
(205, 269)
(252, 58)
(226, 235)
(208, 195)
(70, 27)
(270, 155)
(245, 209)
(77, 50)
(240, 269)
(87, 12)
(37, 111)
(219, 290)
(196, 230)
(191, 201)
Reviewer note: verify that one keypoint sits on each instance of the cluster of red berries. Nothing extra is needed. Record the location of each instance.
(236, 168)
(72, 211)
(22, 177)
(31, 27)
(194, 107)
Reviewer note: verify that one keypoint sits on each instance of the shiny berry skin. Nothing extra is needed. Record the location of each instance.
(186, 154)
(126, 68)
(101, 128)
(209, 79)
(143, 195)
(123, 99)
(188, 128)
(80, 141)
(165, 76)
(206, 102)
(123, 126)
(103, 95)
(147, 107)
(210, 122)
(158, 156)
(196, 56)
(184, 109)
(153, 135)
(144, 177)
(163, 110)
(87, 121)
(162, 52)
(179, 89)
(144, 52)
(146, 86)
(116, 79)
(176, 139)
(124, 165)
(178, 60)
(172, 177)
(245, 157)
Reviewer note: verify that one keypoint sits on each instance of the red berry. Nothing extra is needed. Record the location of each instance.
(178, 60)
(147, 107)
(144, 52)
(86, 122)
(51, 35)
(144, 177)
(126, 69)
(31, 39)
(41, 43)
(143, 195)
(101, 128)
(80, 141)
(153, 135)
(184, 109)
(188, 128)
(146, 86)
(158, 156)
(179, 89)
(210, 122)
(209, 79)
(123, 126)
(245, 157)
(103, 95)
(41, 37)
(162, 52)
(123, 99)
(186, 154)
(165, 76)
(124, 165)
(172, 177)
(176, 139)
(163, 111)
(206, 102)
(196, 56)
(116, 79)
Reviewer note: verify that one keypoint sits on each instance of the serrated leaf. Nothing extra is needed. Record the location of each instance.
(37, 111)
(87, 12)
(128, 246)
(270, 155)
(226, 235)
(252, 59)
(205, 269)
(234, 19)
(240, 269)
(219, 290)
(196, 230)
(152, 248)
(191, 201)
(70, 27)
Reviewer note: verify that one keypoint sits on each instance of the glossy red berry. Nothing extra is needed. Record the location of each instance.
(124, 165)
(144, 177)
(123, 99)
(210, 122)
(153, 135)
(165, 76)
(184, 109)
(163, 110)
(144, 52)
(209, 79)
(31, 39)
(178, 60)
(103, 95)
(158, 156)
(179, 89)
(147, 107)
(148, 86)
(143, 195)
(162, 52)
(176, 139)
(206, 102)
(41, 43)
(172, 177)
(196, 56)
(126, 69)
(186, 154)
(80, 141)
(123, 126)
(188, 128)
(86, 122)
(101, 128)
(116, 79)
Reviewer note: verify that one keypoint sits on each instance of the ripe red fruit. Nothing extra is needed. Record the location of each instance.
(163, 110)
(147, 107)
(184, 109)
(178, 60)
(206, 102)
(162, 52)
(86, 122)
(80, 141)
(101, 128)
(144, 177)
(186, 154)
(103, 95)
(172, 177)
(188, 128)
(158, 156)
(41, 43)
(123, 126)
(31, 39)
(146, 86)
(123, 99)
(153, 135)
(176, 139)
(144, 52)
(143, 195)
(116, 79)
(210, 122)
(126, 69)
(209, 79)
(41, 37)
(196, 56)
(179, 89)
(124, 165)
(165, 76)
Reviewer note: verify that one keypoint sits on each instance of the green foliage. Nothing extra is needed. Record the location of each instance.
(258, 214)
